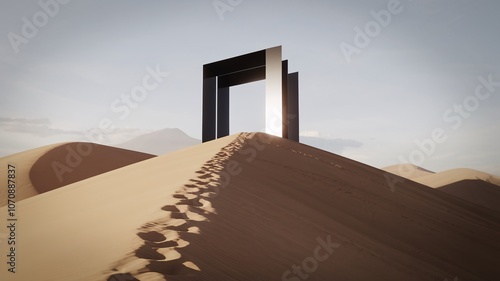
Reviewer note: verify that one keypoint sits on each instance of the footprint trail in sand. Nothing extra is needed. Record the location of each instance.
(157, 257)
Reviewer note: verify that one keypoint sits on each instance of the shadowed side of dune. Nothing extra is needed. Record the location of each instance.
(265, 208)
(73, 162)
(289, 202)
(476, 191)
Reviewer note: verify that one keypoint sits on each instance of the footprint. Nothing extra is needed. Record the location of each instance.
(179, 228)
(145, 252)
(179, 216)
(152, 236)
(191, 202)
(170, 208)
(156, 258)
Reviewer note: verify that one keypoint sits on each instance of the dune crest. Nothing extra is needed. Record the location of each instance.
(454, 175)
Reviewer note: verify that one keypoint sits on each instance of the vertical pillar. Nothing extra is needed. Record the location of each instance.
(284, 98)
(209, 109)
(274, 92)
(293, 106)
(222, 112)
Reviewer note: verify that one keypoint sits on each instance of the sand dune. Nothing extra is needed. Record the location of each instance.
(408, 171)
(76, 161)
(475, 186)
(456, 175)
(78, 231)
(432, 179)
(253, 207)
(49, 167)
(23, 162)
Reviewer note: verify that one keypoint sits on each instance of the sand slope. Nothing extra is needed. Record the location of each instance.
(78, 231)
(46, 168)
(72, 162)
(253, 207)
(23, 162)
(477, 191)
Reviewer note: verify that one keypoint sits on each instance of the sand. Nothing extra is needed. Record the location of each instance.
(253, 207)
(76, 161)
(477, 191)
(432, 179)
(455, 175)
(471, 185)
(50, 167)
(23, 162)
(78, 231)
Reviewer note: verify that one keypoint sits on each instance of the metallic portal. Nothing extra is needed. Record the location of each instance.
(282, 92)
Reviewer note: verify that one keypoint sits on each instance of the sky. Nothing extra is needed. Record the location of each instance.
(380, 81)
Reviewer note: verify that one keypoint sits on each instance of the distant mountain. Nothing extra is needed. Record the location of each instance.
(160, 142)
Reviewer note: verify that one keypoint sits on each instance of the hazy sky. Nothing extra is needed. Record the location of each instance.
(375, 76)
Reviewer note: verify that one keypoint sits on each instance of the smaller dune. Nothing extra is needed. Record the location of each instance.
(22, 162)
(480, 188)
(408, 171)
(76, 161)
(456, 175)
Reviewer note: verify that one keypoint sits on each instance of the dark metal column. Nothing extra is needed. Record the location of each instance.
(284, 98)
(222, 112)
(209, 109)
(293, 106)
